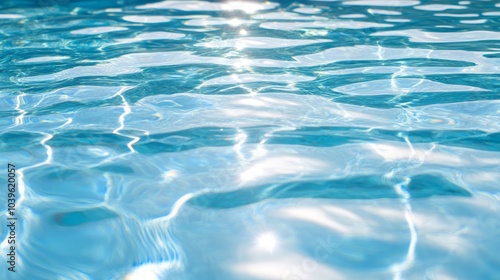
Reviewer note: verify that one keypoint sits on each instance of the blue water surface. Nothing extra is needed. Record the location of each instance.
(355, 139)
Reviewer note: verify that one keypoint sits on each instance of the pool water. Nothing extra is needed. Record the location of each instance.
(354, 139)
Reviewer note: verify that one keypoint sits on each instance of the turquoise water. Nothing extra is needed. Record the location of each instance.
(251, 140)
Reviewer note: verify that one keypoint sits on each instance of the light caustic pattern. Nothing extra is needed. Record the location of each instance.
(252, 140)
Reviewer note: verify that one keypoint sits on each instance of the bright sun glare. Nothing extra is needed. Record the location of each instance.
(267, 241)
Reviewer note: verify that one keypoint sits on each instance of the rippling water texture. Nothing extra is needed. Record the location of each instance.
(252, 140)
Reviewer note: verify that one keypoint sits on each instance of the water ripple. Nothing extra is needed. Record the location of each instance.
(252, 140)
